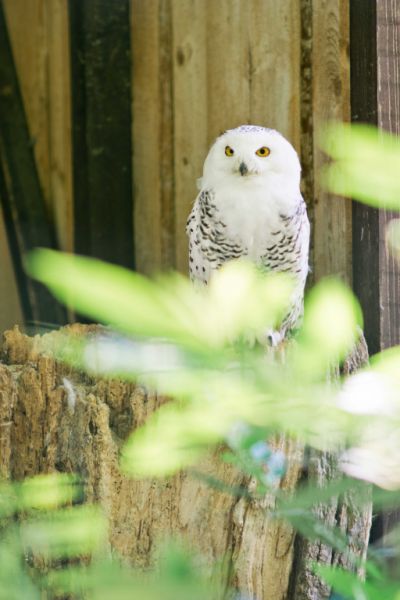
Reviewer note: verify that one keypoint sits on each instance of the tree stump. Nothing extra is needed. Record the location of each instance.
(53, 418)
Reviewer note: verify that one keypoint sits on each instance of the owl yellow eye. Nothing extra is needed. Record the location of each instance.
(263, 151)
(229, 151)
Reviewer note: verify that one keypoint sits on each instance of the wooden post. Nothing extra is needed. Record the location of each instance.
(375, 99)
(375, 64)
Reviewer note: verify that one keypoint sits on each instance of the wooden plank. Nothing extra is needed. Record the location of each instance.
(388, 59)
(146, 139)
(228, 65)
(27, 26)
(273, 43)
(189, 28)
(59, 122)
(363, 60)
(101, 109)
(23, 203)
(39, 36)
(153, 134)
(10, 306)
(331, 102)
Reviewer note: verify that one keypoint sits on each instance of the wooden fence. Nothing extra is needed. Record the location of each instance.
(197, 68)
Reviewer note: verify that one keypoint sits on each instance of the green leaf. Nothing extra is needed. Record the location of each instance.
(332, 321)
(344, 582)
(350, 586)
(239, 299)
(366, 164)
(48, 491)
(69, 532)
(113, 295)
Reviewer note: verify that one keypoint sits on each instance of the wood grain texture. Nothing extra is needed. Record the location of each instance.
(39, 35)
(199, 67)
(229, 68)
(24, 209)
(28, 29)
(274, 45)
(153, 154)
(101, 107)
(264, 558)
(330, 101)
(59, 122)
(363, 60)
(10, 306)
(190, 111)
(388, 53)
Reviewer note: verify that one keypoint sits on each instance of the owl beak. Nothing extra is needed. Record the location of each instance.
(243, 168)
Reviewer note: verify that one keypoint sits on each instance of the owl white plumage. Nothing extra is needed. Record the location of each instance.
(250, 206)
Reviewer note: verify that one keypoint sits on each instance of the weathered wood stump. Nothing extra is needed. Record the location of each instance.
(53, 418)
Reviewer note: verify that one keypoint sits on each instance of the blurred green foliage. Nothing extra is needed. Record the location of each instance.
(366, 164)
(43, 534)
(201, 347)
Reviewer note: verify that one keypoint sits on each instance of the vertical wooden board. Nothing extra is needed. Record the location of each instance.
(23, 203)
(27, 26)
(331, 101)
(363, 89)
(153, 156)
(146, 139)
(10, 308)
(274, 66)
(166, 136)
(190, 112)
(102, 126)
(59, 120)
(228, 65)
(388, 59)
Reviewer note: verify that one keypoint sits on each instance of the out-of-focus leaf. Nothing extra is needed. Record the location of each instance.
(347, 584)
(48, 491)
(311, 495)
(69, 532)
(177, 578)
(332, 316)
(8, 499)
(174, 437)
(108, 293)
(392, 235)
(352, 588)
(239, 298)
(40, 492)
(385, 499)
(366, 164)
(14, 580)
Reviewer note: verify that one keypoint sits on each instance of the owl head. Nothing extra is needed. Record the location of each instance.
(251, 154)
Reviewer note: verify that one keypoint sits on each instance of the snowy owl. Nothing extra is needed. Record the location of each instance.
(250, 206)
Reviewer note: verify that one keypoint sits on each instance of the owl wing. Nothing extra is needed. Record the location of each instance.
(289, 253)
(209, 246)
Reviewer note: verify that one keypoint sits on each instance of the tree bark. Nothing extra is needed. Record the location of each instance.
(53, 418)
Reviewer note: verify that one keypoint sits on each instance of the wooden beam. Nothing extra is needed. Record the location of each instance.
(388, 61)
(153, 122)
(101, 110)
(25, 214)
(332, 224)
(189, 28)
(366, 231)
(375, 99)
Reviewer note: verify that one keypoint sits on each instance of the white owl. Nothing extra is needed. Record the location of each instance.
(250, 205)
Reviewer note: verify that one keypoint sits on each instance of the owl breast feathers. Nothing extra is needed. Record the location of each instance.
(250, 205)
